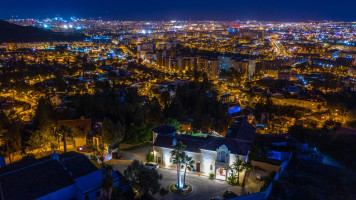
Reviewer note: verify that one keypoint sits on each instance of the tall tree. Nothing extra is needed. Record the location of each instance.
(109, 134)
(175, 110)
(42, 138)
(65, 133)
(155, 113)
(173, 122)
(44, 112)
(144, 179)
(139, 133)
(249, 168)
(236, 168)
(179, 156)
(10, 130)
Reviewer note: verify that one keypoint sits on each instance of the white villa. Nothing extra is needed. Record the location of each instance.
(211, 154)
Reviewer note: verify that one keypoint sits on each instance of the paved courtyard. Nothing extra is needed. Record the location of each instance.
(203, 187)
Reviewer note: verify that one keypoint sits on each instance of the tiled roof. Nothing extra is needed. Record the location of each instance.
(235, 146)
(195, 144)
(79, 166)
(238, 140)
(31, 179)
(35, 181)
(241, 130)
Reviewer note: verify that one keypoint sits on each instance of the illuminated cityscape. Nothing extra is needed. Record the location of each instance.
(96, 108)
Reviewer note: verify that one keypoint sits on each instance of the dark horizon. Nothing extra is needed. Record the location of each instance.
(224, 10)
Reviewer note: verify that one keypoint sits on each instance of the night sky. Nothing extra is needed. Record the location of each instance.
(274, 10)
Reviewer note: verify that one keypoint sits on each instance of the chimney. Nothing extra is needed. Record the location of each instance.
(174, 141)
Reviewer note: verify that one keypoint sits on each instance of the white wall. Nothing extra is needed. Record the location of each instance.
(207, 159)
(196, 157)
(166, 155)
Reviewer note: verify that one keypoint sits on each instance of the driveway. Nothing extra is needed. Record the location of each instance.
(138, 154)
(129, 156)
(203, 187)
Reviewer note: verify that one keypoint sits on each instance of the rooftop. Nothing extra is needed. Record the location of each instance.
(238, 140)
(33, 178)
(91, 181)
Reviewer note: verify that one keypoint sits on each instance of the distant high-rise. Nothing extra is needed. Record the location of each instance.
(246, 66)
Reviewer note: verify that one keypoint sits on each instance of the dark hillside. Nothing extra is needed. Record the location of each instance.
(15, 33)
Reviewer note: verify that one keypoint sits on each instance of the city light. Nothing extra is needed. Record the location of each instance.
(202, 100)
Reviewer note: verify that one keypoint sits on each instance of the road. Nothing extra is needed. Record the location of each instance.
(279, 48)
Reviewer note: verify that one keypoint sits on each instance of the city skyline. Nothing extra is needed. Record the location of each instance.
(226, 10)
(183, 100)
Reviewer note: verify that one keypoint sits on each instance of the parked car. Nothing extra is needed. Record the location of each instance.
(229, 194)
(152, 165)
(82, 149)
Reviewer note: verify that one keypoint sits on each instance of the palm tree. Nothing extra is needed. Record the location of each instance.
(189, 164)
(236, 168)
(238, 163)
(10, 132)
(248, 167)
(178, 156)
(65, 132)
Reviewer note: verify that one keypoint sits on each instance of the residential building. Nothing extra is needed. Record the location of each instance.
(245, 66)
(211, 154)
(81, 129)
(210, 66)
(67, 176)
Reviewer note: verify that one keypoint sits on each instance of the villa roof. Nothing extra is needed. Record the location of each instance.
(35, 181)
(193, 143)
(241, 130)
(235, 146)
(34, 178)
(212, 143)
(79, 166)
(238, 140)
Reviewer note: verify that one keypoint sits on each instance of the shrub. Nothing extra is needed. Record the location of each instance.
(232, 179)
(150, 156)
(211, 176)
